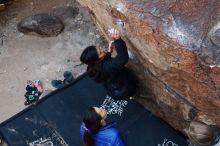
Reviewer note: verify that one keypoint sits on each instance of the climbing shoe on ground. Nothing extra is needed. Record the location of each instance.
(68, 77)
(57, 83)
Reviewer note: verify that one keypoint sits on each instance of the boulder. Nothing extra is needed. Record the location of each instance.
(176, 54)
(41, 24)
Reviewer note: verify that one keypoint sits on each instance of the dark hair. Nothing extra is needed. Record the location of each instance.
(200, 133)
(90, 57)
(92, 121)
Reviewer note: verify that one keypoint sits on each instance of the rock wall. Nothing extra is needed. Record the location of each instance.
(175, 47)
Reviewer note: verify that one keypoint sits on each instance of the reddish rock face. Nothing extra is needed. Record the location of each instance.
(176, 48)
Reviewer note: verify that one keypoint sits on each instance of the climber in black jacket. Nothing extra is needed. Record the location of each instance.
(119, 82)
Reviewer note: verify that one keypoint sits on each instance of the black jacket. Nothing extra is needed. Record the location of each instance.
(118, 80)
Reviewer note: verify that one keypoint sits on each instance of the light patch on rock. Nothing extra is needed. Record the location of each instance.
(131, 55)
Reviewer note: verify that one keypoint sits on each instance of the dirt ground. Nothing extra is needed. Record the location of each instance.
(27, 57)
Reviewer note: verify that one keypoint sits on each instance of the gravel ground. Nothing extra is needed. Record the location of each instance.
(30, 57)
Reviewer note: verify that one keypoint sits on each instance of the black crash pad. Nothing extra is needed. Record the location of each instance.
(56, 118)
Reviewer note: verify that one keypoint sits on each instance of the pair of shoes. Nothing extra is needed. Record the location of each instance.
(33, 92)
(34, 85)
(68, 78)
(57, 83)
(32, 96)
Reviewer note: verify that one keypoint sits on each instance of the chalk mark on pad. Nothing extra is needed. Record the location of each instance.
(114, 106)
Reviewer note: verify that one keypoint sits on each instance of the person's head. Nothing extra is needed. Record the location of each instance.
(200, 134)
(94, 118)
(92, 54)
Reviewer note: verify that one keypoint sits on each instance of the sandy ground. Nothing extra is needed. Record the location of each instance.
(28, 57)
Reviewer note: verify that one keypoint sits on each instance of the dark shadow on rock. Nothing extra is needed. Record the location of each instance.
(5, 1)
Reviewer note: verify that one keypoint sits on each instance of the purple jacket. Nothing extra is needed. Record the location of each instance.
(107, 136)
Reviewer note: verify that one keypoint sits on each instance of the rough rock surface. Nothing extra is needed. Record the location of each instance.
(41, 24)
(176, 54)
(4, 3)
